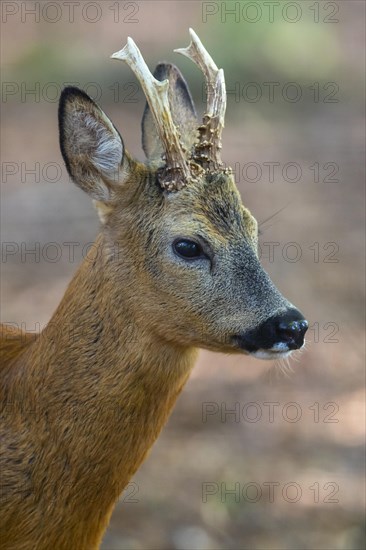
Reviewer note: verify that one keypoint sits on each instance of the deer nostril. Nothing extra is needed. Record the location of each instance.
(293, 332)
(290, 328)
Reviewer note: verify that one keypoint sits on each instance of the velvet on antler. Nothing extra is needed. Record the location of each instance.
(182, 166)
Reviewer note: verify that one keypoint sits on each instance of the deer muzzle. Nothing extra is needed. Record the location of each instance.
(275, 337)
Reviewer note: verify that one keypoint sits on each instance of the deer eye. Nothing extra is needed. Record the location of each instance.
(188, 249)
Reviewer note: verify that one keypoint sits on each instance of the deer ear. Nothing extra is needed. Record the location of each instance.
(182, 108)
(90, 145)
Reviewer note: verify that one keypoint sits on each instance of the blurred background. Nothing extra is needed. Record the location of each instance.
(286, 469)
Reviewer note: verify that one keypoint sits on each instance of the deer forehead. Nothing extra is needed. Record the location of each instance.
(211, 207)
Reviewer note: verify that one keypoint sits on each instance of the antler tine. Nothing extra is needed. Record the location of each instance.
(176, 173)
(207, 150)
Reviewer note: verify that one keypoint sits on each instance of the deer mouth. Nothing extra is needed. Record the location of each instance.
(279, 351)
(269, 355)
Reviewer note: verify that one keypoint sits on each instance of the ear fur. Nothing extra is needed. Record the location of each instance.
(183, 113)
(91, 146)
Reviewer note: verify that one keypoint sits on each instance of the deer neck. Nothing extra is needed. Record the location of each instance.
(102, 390)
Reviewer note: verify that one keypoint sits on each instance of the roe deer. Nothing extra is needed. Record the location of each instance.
(175, 268)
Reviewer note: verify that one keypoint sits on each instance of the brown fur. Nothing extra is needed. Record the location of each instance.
(84, 401)
(81, 413)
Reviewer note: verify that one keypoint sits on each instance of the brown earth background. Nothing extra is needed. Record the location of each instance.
(312, 446)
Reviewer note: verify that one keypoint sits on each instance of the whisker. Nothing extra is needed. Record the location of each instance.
(262, 230)
(273, 215)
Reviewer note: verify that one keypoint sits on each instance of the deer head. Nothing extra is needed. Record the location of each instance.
(177, 240)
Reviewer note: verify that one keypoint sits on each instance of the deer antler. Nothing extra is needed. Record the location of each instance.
(207, 150)
(176, 172)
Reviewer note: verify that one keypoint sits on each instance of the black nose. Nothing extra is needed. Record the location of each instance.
(279, 333)
(292, 332)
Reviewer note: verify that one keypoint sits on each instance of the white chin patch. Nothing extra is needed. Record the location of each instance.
(278, 351)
